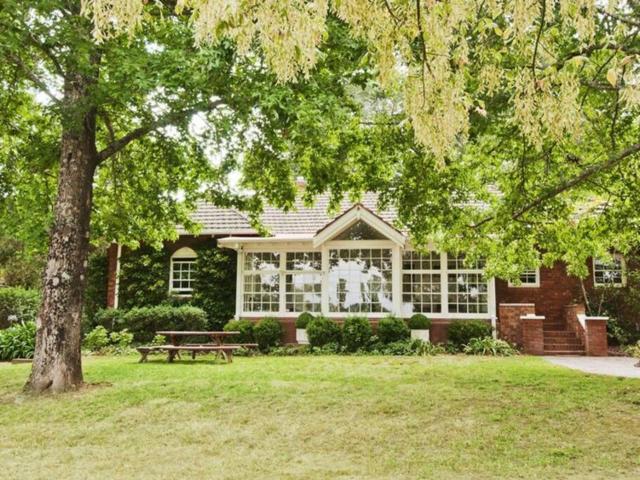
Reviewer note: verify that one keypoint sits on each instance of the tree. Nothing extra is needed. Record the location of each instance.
(118, 135)
(538, 99)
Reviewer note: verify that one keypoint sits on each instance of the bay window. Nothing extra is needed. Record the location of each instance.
(421, 283)
(468, 290)
(303, 280)
(261, 282)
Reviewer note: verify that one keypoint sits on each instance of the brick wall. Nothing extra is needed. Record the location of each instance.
(112, 259)
(509, 324)
(532, 334)
(557, 289)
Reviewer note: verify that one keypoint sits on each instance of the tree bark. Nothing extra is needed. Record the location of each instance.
(57, 361)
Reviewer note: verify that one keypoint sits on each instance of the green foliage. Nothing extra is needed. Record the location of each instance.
(246, 329)
(214, 288)
(19, 266)
(489, 346)
(427, 348)
(356, 333)
(143, 322)
(462, 331)
(159, 340)
(95, 295)
(392, 329)
(634, 350)
(617, 334)
(18, 305)
(267, 333)
(101, 341)
(419, 321)
(144, 277)
(18, 341)
(109, 318)
(322, 331)
(303, 320)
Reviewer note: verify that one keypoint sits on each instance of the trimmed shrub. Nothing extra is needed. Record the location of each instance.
(214, 284)
(18, 341)
(245, 327)
(97, 339)
(322, 331)
(392, 329)
(419, 321)
(18, 305)
(109, 318)
(145, 321)
(267, 333)
(462, 331)
(303, 319)
(489, 346)
(356, 333)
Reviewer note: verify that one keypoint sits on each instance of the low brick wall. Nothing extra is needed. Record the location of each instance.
(532, 334)
(593, 335)
(509, 325)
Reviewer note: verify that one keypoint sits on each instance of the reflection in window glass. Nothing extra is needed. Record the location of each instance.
(360, 280)
(468, 293)
(261, 282)
(421, 287)
(608, 272)
(303, 286)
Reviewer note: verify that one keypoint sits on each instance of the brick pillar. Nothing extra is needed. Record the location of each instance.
(509, 324)
(596, 337)
(532, 334)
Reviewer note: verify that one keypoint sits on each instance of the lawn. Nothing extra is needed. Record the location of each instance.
(324, 417)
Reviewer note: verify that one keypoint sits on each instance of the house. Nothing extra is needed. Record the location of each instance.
(358, 262)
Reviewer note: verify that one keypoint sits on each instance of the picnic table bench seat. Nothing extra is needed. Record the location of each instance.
(173, 350)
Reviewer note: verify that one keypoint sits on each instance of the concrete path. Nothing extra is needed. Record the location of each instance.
(615, 366)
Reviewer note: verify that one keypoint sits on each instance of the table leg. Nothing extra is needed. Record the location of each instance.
(172, 355)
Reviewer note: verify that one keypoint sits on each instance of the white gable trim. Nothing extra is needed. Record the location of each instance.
(358, 212)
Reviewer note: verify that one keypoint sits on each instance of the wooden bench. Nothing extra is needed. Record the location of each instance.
(173, 350)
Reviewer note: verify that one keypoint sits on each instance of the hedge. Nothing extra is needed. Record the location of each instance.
(18, 341)
(322, 331)
(462, 331)
(356, 333)
(245, 327)
(143, 322)
(267, 333)
(392, 329)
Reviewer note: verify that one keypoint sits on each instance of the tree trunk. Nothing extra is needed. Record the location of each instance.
(57, 362)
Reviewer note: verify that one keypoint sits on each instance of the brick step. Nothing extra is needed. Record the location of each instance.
(554, 326)
(562, 346)
(559, 334)
(564, 352)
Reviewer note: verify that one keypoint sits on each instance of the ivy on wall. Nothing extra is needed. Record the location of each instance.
(144, 281)
(144, 277)
(95, 296)
(214, 288)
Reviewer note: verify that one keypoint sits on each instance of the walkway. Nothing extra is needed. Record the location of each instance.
(615, 366)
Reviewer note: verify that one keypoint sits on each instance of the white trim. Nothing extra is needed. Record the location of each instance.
(184, 255)
(356, 213)
(116, 288)
(623, 271)
(239, 283)
(527, 285)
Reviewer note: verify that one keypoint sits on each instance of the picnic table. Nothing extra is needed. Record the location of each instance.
(217, 338)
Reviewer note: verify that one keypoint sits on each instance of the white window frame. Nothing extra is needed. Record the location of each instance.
(186, 255)
(404, 272)
(536, 284)
(302, 272)
(623, 271)
(277, 271)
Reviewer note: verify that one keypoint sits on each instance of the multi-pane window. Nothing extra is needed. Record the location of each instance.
(359, 280)
(468, 289)
(303, 281)
(609, 272)
(528, 278)
(421, 283)
(261, 282)
(182, 270)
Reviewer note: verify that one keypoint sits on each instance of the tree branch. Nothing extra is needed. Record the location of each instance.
(34, 78)
(538, 36)
(587, 173)
(171, 117)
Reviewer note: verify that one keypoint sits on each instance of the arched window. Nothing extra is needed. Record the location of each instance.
(183, 262)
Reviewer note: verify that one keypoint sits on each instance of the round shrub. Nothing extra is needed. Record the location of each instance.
(267, 333)
(97, 339)
(303, 319)
(322, 331)
(18, 341)
(392, 329)
(109, 318)
(245, 327)
(356, 333)
(144, 322)
(419, 322)
(462, 331)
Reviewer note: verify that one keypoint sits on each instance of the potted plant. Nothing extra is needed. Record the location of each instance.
(301, 327)
(419, 325)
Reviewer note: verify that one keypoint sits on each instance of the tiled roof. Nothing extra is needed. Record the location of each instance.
(301, 220)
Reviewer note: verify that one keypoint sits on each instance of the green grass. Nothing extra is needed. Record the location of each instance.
(324, 417)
